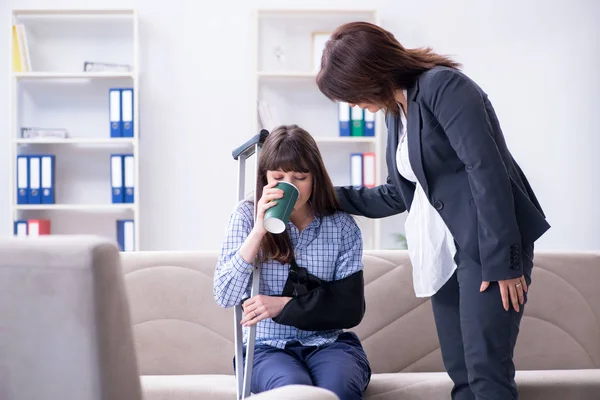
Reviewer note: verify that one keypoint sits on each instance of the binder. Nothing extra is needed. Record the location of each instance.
(17, 51)
(369, 123)
(38, 227)
(35, 170)
(21, 228)
(22, 179)
(126, 234)
(114, 107)
(344, 118)
(116, 177)
(127, 112)
(129, 178)
(369, 169)
(356, 169)
(48, 179)
(357, 121)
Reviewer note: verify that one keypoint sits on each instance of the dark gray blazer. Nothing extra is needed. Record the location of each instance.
(459, 155)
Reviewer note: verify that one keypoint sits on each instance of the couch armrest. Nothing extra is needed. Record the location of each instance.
(65, 328)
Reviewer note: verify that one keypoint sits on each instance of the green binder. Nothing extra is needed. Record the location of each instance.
(358, 122)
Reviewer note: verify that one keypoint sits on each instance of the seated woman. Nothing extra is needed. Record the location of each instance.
(299, 337)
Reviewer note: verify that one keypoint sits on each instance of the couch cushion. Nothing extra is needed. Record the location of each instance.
(178, 327)
(561, 324)
(560, 328)
(220, 387)
(397, 331)
(533, 385)
(188, 387)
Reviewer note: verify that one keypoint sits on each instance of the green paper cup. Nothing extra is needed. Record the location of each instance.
(277, 217)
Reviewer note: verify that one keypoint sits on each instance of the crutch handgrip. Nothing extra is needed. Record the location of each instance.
(247, 149)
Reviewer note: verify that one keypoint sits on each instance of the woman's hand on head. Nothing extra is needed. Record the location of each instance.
(262, 307)
(268, 199)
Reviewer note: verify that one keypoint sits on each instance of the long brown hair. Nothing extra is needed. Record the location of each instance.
(364, 63)
(291, 148)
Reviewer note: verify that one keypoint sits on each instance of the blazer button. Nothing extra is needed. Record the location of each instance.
(438, 205)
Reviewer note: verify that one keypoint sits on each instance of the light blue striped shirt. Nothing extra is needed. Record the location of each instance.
(329, 247)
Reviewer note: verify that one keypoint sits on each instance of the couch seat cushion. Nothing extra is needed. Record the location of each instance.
(533, 385)
(188, 387)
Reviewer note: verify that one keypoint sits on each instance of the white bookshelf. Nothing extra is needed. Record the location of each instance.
(345, 139)
(57, 93)
(287, 75)
(284, 78)
(72, 75)
(81, 141)
(77, 207)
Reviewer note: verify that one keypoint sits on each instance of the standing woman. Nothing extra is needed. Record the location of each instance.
(472, 216)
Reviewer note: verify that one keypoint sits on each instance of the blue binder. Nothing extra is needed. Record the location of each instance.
(48, 179)
(128, 178)
(21, 228)
(114, 110)
(127, 112)
(22, 179)
(344, 118)
(116, 178)
(126, 234)
(35, 171)
(369, 123)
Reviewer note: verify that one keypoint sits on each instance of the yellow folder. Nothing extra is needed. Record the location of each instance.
(16, 51)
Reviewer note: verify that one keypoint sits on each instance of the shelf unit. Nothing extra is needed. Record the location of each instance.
(72, 75)
(57, 93)
(80, 141)
(285, 80)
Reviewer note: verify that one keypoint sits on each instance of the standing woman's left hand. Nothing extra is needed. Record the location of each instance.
(515, 288)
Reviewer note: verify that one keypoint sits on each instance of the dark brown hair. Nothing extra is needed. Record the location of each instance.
(291, 148)
(363, 63)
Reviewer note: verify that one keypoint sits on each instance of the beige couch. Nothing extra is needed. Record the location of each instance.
(184, 340)
(66, 332)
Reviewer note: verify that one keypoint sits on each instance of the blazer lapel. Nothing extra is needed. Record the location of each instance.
(413, 131)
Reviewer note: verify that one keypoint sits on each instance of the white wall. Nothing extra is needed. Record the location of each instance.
(538, 60)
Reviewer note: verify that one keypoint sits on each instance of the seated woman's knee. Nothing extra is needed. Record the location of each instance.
(288, 378)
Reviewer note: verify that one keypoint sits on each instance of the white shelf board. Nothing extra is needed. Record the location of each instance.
(345, 139)
(280, 11)
(292, 74)
(76, 207)
(80, 141)
(74, 11)
(72, 75)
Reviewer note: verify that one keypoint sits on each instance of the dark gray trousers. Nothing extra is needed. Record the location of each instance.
(477, 336)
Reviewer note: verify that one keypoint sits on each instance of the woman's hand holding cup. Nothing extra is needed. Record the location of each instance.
(268, 199)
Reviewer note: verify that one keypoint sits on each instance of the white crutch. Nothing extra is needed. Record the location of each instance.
(244, 375)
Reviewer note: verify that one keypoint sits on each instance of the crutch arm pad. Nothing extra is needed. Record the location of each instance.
(333, 305)
(260, 138)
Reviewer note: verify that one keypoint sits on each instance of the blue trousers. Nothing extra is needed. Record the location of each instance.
(341, 367)
(477, 336)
